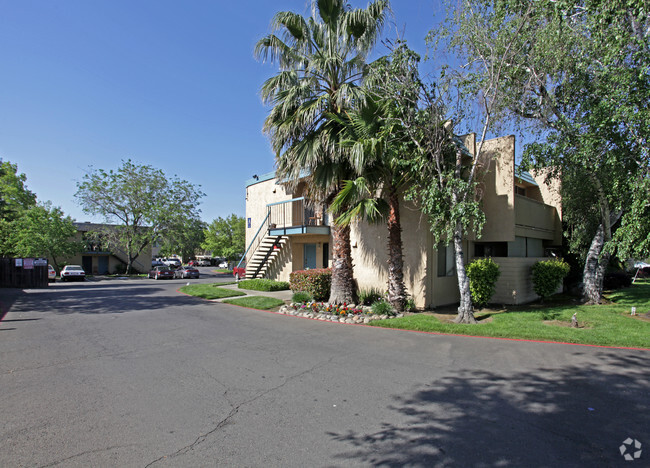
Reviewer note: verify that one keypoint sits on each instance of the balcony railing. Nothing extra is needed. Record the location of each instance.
(531, 214)
(296, 217)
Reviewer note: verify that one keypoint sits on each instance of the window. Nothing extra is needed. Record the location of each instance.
(491, 249)
(446, 261)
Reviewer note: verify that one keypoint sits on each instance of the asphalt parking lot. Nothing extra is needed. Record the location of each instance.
(132, 373)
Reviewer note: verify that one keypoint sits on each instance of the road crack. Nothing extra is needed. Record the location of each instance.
(235, 409)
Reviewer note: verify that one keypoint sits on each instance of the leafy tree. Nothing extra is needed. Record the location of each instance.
(44, 231)
(184, 239)
(580, 75)
(14, 196)
(321, 60)
(444, 175)
(225, 237)
(145, 203)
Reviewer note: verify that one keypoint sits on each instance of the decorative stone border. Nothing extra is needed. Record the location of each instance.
(364, 316)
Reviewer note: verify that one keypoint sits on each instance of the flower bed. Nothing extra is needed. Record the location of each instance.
(345, 313)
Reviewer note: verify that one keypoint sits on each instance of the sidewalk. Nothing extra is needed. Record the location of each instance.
(282, 295)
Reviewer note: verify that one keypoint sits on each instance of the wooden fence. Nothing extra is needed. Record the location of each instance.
(24, 273)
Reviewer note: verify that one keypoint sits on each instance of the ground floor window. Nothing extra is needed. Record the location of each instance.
(491, 249)
(526, 247)
(326, 254)
(446, 261)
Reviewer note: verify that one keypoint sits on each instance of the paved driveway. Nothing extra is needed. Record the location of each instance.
(134, 374)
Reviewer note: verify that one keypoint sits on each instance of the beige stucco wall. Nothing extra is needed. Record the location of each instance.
(257, 197)
(514, 285)
(551, 195)
(498, 190)
(370, 253)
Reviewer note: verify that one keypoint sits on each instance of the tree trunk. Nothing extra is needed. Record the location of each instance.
(593, 273)
(465, 309)
(396, 288)
(343, 287)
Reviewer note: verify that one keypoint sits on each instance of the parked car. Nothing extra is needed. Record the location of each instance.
(239, 272)
(161, 272)
(155, 263)
(51, 274)
(73, 273)
(223, 265)
(193, 263)
(204, 262)
(186, 272)
(172, 262)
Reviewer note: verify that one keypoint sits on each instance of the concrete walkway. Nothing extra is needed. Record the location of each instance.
(282, 295)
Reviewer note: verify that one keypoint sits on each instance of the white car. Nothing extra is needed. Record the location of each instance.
(51, 274)
(73, 273)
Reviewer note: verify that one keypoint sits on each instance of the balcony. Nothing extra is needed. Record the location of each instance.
(535, 219)
(292, 217)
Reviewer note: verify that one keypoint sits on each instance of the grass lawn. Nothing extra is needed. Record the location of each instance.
(210, 291)
(221, 270)
(607, 324)
(256, 302)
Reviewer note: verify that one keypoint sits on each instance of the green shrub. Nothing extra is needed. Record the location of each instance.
(119, 269)
(410, 305)
(369, 296)
(301, 296)
(483, 274)
(261, 284)
(382, 307)
(316, 283)
(548, 275)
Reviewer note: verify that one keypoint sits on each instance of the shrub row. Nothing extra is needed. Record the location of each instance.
(316, 283)
(261, 284)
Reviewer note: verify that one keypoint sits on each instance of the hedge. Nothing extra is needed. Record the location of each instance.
(316, 283)
(483, 274)
(548, 276)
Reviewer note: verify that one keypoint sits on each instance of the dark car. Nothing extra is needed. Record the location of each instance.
(161, 272)
(186, 272)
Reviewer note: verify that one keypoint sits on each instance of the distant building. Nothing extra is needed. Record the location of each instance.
(97, 259)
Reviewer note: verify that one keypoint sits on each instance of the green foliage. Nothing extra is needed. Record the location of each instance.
(43, 231)
(301, 296)
(382, 308)
(184, 239)
(483, 274)
(369, 296)
(262, 284)
(119, 269)
(548, 276)
(144, 202)
(15, 198)
(316, 283)
(226, 237)
(322, 60)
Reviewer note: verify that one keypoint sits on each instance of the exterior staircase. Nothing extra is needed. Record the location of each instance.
(264, 256)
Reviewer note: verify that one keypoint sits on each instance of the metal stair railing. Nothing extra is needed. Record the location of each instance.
(269, 251)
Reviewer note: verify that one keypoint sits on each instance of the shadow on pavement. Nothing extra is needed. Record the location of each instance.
(528, 418)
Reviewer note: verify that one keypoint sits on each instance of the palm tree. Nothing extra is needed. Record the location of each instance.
(376, 152)
(322, 60)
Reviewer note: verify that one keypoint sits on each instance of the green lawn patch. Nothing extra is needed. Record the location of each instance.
(256, 302)
(224, 271)
(262, 284)
(607, 324)
(210, 291)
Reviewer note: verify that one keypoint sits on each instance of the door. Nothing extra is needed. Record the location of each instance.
(102, 265)
(310, 256)
(87, 264)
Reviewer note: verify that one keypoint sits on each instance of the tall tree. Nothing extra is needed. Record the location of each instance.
(322, 60)
(14, 195)
(581, 76)
(184, 239)
(144, 202)
(378, 147)
(44, 231)
(225, 237)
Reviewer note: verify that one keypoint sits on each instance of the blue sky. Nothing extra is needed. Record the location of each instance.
(166, 83)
